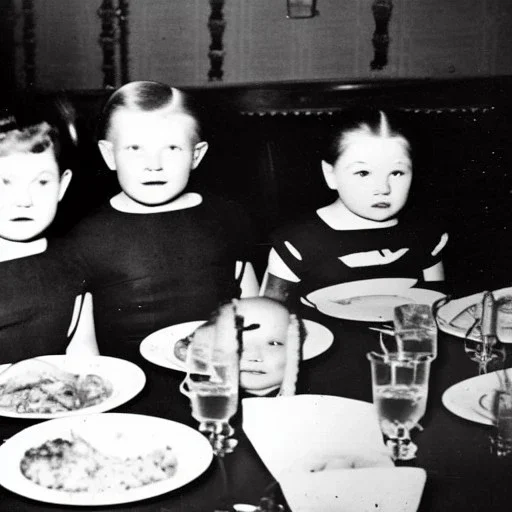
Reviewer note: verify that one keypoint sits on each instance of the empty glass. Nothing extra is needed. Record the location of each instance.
(400, 390)
(415, 330)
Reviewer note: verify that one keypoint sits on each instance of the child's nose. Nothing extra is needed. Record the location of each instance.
(23, 198)
(252, 354)
(382, 187)
(154, 163)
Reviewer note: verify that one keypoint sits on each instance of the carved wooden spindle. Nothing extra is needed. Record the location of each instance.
(382, 14)
(29, 43)
(107, 13)
(124, 60)
(216, 25)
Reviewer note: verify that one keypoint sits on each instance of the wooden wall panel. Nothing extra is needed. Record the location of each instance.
(68, 54)
(169, 40)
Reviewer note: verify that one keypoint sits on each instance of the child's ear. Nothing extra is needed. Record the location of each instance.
(65, 180)
(107, 152)
(200, 150)
(328, 170)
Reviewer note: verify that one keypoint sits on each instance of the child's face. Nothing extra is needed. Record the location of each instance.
(372, 176)
(30, 190)
(263, 361)
(153, 153)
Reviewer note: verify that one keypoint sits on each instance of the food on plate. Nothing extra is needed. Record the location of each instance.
(35, 386)
(181, 346)
(76, 466)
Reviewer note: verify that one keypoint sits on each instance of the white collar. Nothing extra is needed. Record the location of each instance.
(121, 202)
(11, 250)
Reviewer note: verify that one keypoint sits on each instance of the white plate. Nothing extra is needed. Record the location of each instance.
(124, 435)
(472, 399)
(158, 348)
(453, 308)
(126, 378)
(372, 300)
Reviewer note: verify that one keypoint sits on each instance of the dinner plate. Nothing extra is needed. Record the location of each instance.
(115, 435)
(453, 308)
(472, 399)
(126, 378)
(158, 348)
(371, 300)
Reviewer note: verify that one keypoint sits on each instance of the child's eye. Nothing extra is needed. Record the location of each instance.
(398, 173)
(5, 181)
(362, 173)
(173, 147)
(43, 182)
(275, 343)
(133, 147)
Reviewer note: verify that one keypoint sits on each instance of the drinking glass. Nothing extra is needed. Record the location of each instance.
(400, 390)
(211, 385)
(415, 330)
(502, 437)
(504, 319)
(487, 350)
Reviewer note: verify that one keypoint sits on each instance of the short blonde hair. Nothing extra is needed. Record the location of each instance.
(148, 96)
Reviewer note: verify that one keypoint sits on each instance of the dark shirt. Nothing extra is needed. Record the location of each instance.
(36, 304)
(149, 271)
(322, 251)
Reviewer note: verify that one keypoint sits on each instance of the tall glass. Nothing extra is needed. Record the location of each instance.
(400, 390)
(504, 319)
(211, 385)
(415, 330)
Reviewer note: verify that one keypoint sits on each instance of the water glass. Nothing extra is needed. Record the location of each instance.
(400, 390)
(502, 440)
(415, 330)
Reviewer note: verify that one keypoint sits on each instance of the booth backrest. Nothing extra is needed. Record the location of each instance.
(264, 142)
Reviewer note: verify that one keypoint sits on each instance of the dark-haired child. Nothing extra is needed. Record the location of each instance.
(38, 287)
(367, 161)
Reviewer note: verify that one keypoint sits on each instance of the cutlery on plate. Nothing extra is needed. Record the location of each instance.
(383, 330)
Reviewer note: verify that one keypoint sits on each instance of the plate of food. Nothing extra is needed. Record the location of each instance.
(102, 459)
(54, 386)
(371, 300)
(474, 399)
(167, 347)
(461, 317)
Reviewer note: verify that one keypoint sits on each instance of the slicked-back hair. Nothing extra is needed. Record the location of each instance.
(148, 96)
(372, 122)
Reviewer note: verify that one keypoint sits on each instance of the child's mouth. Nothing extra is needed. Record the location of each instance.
(253, 372)
(154, 183)
(381, 205)
(21, 219)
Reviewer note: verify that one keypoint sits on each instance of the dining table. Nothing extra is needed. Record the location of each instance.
(463, 472)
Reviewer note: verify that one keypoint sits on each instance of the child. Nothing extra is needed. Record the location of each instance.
(367, 161)
(38, 288)
(157, 254)
(271, 340)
